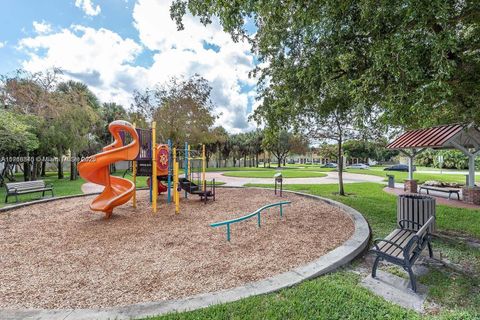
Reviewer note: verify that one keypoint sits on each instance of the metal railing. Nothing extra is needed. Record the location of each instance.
(250, 215)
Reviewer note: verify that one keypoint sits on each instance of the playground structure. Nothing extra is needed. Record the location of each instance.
(158, 162)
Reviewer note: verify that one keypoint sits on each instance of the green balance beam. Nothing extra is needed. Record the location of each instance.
(257, 213)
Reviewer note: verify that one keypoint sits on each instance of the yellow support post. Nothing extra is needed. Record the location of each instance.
(154, 168)
(177, 198)
(134, 174)
(204, 167)
(176, 194)
(190, 175)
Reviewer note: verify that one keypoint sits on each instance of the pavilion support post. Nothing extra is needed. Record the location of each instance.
(471, 170)
(411, 185)
(410, 167)
(471, 193)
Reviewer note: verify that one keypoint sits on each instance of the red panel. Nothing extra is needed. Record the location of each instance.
(434, 137)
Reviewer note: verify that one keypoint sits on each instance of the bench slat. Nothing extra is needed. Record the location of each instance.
(27, 184)
(399, 237)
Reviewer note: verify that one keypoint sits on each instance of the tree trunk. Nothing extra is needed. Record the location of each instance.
(341, 190)
(60, 166)
(285, 161)
(44, 165)
(256, 160)
(27, 171)
(73, 166)
(34, 168)
(234, 162)
(279, 161)
(245, 161)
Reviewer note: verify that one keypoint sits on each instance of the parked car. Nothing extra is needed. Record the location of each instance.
(399, 167)
(330, 165)
(359, 166)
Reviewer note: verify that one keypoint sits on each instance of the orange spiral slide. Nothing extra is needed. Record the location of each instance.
(96, 169)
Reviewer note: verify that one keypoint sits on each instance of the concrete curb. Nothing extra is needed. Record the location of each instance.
(44, 200)
(334, 259)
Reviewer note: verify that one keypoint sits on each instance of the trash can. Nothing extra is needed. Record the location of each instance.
(417, 208)
(391, 181)
(278, 181)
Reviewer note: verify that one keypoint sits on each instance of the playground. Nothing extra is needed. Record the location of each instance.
(75, 258)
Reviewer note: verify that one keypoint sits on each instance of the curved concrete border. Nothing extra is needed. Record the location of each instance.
(31, 203)
(334, 259)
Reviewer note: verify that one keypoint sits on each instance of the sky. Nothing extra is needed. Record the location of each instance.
(118, 46)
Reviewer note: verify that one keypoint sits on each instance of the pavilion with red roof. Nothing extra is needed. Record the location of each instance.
(465, 138)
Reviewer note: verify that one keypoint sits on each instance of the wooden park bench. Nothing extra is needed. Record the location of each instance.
(440, 189)
(19, 188)
(403, 246)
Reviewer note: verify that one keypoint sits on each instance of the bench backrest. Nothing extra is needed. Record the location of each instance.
(419, 239)
(424, 229)
(416, 208)
(25, 185)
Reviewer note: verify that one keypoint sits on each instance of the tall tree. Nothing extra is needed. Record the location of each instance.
(79, 117)
(182, 109)
(16, 139)
(33, 95)
(213, 141)
(256, 143)
(278, 142)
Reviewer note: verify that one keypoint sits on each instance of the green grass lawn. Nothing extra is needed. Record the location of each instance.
(62, 187)
(335, 296)
(269, 174)
(338, 295)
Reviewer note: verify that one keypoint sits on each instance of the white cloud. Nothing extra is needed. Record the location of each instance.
(97, 57)
(88, 7)
(185, 52)
(106, 62)
(2, 44)
(41, 27)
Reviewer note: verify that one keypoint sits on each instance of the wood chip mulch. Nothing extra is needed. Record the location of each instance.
(62, 255)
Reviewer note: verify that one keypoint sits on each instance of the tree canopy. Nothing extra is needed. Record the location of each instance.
(418, 60)
(182, 109)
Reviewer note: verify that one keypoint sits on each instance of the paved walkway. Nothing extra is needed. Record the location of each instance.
(89, 187)
(331, 178)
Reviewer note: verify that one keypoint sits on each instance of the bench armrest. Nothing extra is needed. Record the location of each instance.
(401, 223)
(50, 185)
(376, 241)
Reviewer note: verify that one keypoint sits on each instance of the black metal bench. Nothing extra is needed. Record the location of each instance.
(440, 189)
(403, 247)
(19, 188)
